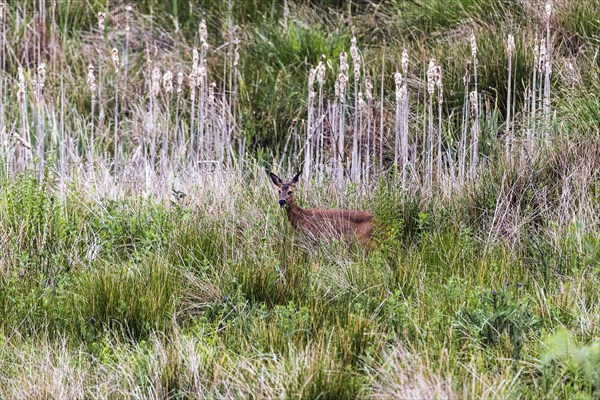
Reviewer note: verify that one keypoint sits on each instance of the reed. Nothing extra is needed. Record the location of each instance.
(143, 252)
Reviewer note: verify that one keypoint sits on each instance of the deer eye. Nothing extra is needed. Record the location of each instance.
(290, 192)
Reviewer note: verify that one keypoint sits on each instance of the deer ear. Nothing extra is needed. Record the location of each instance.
(276, 180)
(295, 180)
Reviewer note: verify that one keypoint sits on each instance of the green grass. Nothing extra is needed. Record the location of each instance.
(169, 283)
(486, 288)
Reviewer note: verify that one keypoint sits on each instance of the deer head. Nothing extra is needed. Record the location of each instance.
(286, 190)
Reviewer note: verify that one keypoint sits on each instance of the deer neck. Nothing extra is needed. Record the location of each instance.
(293, 212)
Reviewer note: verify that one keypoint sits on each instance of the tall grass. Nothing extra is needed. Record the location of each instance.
(143, 254)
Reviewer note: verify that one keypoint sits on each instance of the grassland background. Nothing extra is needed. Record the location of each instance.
(111, 288)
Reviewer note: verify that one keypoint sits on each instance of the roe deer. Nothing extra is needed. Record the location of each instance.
(323, 224)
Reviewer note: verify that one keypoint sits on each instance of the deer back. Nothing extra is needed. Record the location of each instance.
(334, 223)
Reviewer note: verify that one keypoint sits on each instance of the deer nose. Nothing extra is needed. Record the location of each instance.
(282, 202)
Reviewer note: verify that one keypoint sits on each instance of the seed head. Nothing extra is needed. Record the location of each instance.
(128, 12)
(536, 52)
(368, 88)
(343, 81)
(40, 81)
(236, 52)
(321, 73)
(311, 83)
(467, 74)
(543, 58)
(353, 48)
(156, 75)
(510, 45)
(193, 78)
(195, 71)
(438, 83)
(343, 63)
(179, 82)
(548, 10)
(41, 70)
(202, 69)
(354, 54)
(405, 62)
(473, 47)
(437, 75)
(211, 93)
(398, 81)
(21, 86)
(474, 103)
(115, 59)
(431, 77)
(2, 10)
(195, 58)
(203, 35)
(203, 31)
(91, 80)
(361, 102)
(101, 18)
(200, 73)
(168, 81)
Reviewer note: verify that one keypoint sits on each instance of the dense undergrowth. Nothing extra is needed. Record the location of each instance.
(138, 298)
(479, 285)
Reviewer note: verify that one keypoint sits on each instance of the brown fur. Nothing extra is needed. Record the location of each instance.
(324, 224)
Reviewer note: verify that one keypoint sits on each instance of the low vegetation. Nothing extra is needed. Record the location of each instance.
(143, 253)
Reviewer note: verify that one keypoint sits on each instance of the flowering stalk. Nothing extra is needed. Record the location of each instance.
(193, 80)
(115, 60)
(40, 129)
(234, 97)
(533, 111)
(24, 139)
(167, 83)
(201, 85)
(356, 61)
(342, 83)
(440, 98)
(381, 115)
(128, 15)
(91, 82)
(308, 145)
(397, 131)
(510, 47)
(462, 145)
(404, 116)
(3, 80)
(474, 100)
(154, 92)
(430, 133)
(179, 139)
(319, 133)
(547, 71)
(101, 27)
(369, 105)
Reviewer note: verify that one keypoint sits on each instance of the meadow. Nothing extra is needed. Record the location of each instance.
(142, 250)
